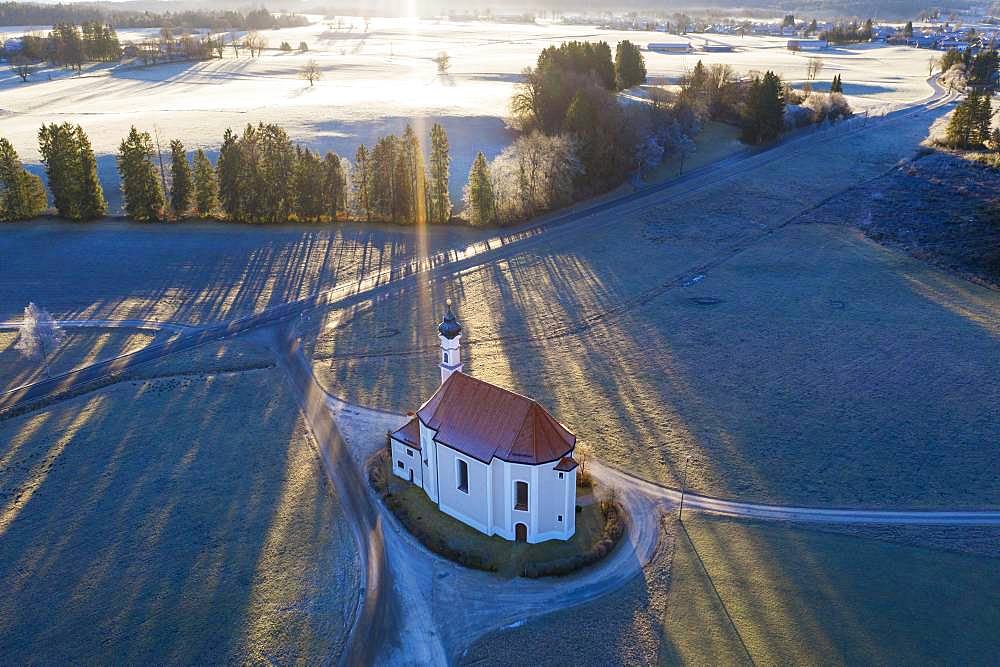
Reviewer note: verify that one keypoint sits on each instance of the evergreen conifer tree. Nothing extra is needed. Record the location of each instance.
(57, 144)
(630, 66)
(334, 186)
(91, 202)
(309, 186)
(206, 186)
(479, 194)
(764, 114)
(229, 168)
(140, 183)
(361, 184)
(440, 171)
(22, 195)
(182, 182)
(412, 179)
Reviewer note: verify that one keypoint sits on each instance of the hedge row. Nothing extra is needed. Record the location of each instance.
(614, 528)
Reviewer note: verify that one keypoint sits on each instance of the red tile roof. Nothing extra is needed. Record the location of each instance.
(483, 421)
(566, 464)
(409, 435)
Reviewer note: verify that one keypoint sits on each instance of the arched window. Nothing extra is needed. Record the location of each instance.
(445, 357)
(521, 496)
(463, 476)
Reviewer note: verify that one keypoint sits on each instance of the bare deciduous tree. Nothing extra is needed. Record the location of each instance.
(255, 43)
(814, 67)
(38, 335)
(311, 73)
(443, 62)
(22, 66)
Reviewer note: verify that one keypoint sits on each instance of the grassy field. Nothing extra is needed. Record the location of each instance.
(192, 272)
(725, 591)
(179, 520)
(795, 363)
(815, 368)
(81, 347)
(714, 142)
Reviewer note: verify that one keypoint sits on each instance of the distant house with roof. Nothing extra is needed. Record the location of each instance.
(489, 457)
(682, 46)
(807, 44)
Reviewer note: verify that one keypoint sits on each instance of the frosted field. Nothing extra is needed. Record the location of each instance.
(375, 82)
(153, 521)
(800, 363)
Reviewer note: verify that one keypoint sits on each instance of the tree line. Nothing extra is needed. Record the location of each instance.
(850, 32)
(68, 45)
(964, 70)
(22, 13)
(261, 177)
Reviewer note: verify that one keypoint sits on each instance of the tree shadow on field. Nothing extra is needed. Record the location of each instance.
(815, 369)
(179, 520)
(193, 272)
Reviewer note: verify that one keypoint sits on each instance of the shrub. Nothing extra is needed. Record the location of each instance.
(614, 528)
(827, 106)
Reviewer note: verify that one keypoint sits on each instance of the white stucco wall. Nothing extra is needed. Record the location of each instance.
(489, 504)
(552, 501)
(473, 507)
(428, 449)
(452, 349)
(410, 461)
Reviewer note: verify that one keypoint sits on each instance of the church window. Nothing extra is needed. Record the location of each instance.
(521, 496)
(463, 476)
(446, 357)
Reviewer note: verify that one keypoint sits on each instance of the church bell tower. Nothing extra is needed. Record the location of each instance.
(450, 335)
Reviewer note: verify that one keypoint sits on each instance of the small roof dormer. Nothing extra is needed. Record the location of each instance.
(449, 327)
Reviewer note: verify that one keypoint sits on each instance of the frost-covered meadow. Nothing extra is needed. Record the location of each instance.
(377, 79)
(176, 519)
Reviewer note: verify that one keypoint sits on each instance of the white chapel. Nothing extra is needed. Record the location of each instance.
(490, 458)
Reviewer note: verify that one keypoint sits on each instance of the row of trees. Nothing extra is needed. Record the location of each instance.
(976, 71)
(571, 91)
(21, 13)
(68, 46)
(392, 183)
(850, 32)
(261, 177)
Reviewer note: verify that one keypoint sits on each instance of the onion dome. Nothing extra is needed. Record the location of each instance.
(450, 328)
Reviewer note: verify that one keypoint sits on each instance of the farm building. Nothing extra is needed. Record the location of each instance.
(670, 47)
(717, 48)
(488, 457)
(807, 44)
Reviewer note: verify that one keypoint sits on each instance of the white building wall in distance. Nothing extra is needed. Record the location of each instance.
(471, 507)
